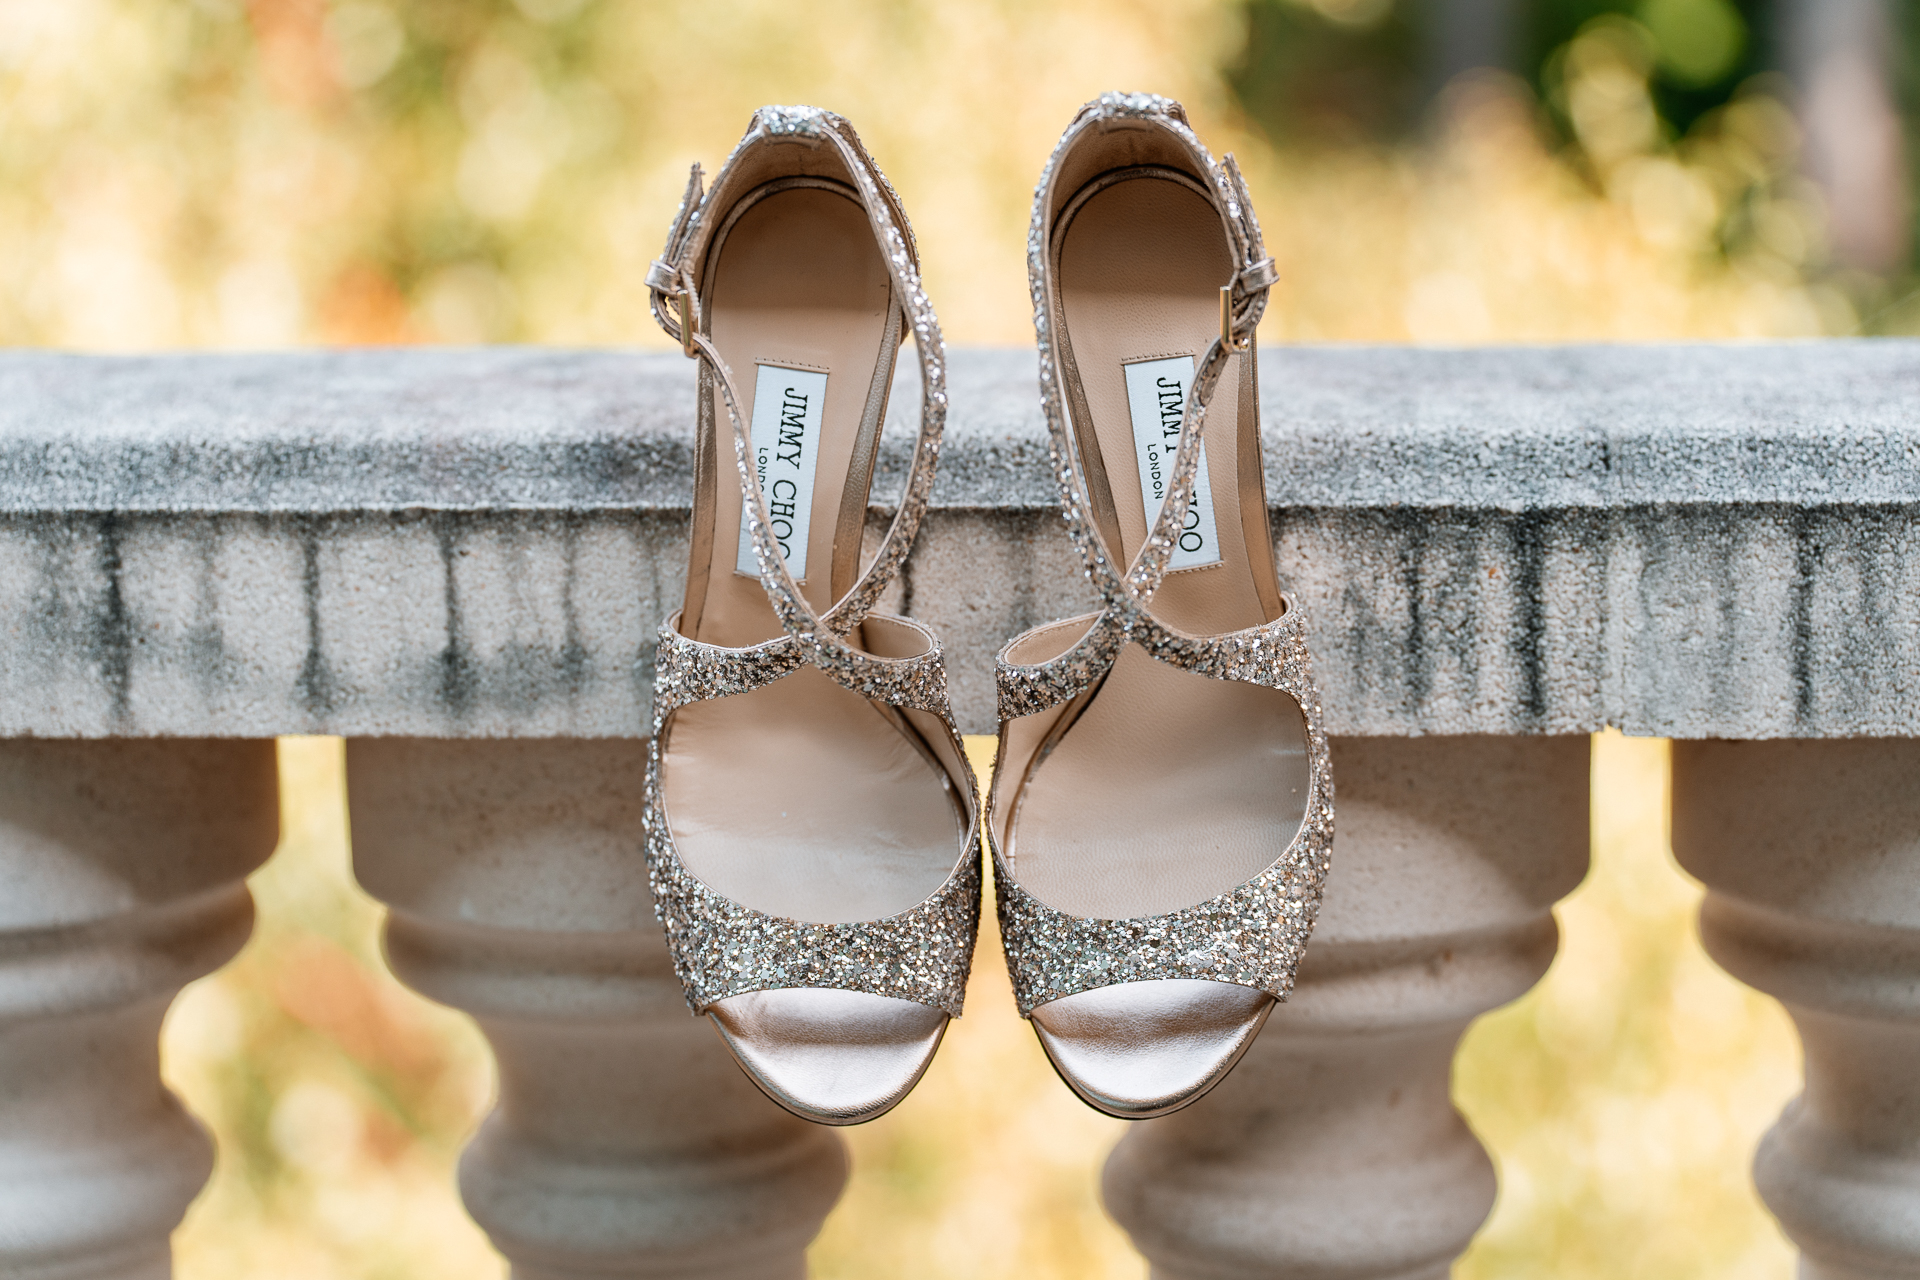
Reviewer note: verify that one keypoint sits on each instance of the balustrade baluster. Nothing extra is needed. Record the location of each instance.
(1810, 851)
(1334, 1149)
(625, 1142)
(122, 869)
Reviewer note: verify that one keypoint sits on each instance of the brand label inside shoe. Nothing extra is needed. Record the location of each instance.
(1157, 397)
(786, 448)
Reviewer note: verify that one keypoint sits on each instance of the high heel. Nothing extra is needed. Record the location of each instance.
(1162, 805)
(811, 819)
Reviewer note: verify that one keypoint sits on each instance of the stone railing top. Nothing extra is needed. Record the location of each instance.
(1506, 428)
(1690, 540)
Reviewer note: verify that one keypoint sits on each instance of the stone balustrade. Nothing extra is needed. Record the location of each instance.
(457, 559)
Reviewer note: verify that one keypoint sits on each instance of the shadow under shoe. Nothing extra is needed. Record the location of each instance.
(833, 1057)
(1138, 1050)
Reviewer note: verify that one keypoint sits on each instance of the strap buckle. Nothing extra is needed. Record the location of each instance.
(1226, 322)
(684, 298)
(669, 281)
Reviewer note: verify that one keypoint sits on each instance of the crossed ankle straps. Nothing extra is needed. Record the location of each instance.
(1027, 688)
(676, 304)
(1243, 300)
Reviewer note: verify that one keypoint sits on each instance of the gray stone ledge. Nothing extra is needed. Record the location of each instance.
(1697, 541)
(1509, 428)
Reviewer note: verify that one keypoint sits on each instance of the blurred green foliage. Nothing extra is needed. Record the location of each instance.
(1610, 86)
(363, 171)
(1331, 72)
(1307, 77)
(1699, 52)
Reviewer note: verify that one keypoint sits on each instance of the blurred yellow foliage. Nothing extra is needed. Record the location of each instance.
(1623, 1096)
(209, 173)
(337, 1098)
(213, 173)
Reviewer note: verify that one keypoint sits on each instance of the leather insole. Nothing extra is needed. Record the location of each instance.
(800, 798)
(1168, 788)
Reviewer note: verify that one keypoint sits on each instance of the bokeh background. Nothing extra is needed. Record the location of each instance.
(213, 173)
(229, 173)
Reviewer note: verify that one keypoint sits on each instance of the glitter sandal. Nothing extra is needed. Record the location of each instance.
(811, 818)
(1162, 806)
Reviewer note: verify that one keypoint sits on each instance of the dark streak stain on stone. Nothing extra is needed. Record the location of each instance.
(1874, 603)
(1588, 561)
(458, 682)
(658, 541)
(1459, 595)
(1418, 660)
(206, 645)
(1528, 536)
(576, 661)
(315, 682)
(1722, 696)
(1020, 585)
(1806, 563)
(112, 638)
(1646, 588)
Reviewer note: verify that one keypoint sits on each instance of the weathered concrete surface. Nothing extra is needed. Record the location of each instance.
(1706, 541)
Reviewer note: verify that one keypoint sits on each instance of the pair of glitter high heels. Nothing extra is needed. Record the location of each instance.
(1161, 810)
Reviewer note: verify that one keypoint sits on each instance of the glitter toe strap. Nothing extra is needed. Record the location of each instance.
(1028, 688)
(686, 671)
(721, 948)
(1252, 935)
(1273, 654)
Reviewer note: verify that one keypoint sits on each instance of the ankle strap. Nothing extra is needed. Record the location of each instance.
(673, 281)
(1243, 300)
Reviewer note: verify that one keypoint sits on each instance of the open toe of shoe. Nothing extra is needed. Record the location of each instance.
(1142, 1049)
(833, 1057)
